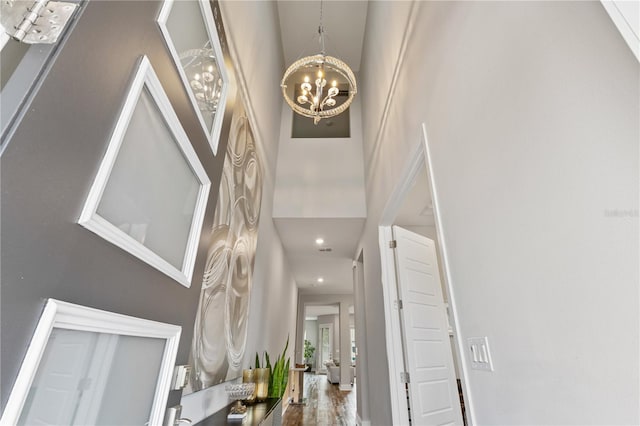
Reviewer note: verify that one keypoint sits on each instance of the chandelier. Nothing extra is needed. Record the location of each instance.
(204, 77)
(309, 76)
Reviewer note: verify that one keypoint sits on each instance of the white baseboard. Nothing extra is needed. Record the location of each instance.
(361, 422)
(345, 387)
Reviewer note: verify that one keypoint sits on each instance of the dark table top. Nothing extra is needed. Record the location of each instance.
(256, 413)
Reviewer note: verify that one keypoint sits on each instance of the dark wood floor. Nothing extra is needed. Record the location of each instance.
(326, 404)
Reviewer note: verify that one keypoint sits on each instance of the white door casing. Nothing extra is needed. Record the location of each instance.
(433, 391)
(326, 350)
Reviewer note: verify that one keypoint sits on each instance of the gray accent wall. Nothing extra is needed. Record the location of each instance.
(49, 165)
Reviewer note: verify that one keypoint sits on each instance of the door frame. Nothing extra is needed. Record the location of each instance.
(329, 326)
(418, 158)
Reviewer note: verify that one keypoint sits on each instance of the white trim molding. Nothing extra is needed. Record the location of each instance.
(361, 422)
(63, 315)
(446, 276)
(90, 219)
(393, 330)
(626, 17)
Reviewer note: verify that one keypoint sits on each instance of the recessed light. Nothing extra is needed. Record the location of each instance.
(320, 280)
(319, 241)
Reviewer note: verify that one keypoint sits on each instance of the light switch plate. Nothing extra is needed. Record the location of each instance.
(181, 375)
(479, 352)
(172, 415)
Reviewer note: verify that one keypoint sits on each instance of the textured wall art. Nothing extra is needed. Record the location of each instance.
(221, 323)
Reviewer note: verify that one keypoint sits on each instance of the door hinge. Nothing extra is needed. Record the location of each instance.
(393, 244)
(35, 21)
(397, 304)
(404, 377)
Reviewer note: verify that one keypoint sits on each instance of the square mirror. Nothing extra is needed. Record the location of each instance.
(196, 51)
(135, 202)
(79, 365)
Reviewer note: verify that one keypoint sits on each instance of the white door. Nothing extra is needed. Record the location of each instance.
(60, 379)
(433, 390)
(326, 338)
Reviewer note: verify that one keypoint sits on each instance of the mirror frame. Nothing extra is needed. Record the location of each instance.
(64, 315)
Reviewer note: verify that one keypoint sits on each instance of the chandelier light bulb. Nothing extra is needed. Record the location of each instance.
(319, 103)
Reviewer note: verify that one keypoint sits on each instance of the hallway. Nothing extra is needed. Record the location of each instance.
(326, 404)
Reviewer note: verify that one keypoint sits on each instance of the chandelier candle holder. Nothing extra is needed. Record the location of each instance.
(312, 74)
(204, 77)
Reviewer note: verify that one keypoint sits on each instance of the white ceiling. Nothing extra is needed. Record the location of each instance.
(343, 21)
(308, 263)
(344, 25)
(314, 311)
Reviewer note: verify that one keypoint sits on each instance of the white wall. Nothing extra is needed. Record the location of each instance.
(320, 177)
(532, 113)
(253, 34)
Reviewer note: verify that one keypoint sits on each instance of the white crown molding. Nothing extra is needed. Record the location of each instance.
(374, 152)
(241, 81)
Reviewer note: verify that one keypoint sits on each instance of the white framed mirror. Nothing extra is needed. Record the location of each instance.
(88, 366)
(150, 193)
(198, 56)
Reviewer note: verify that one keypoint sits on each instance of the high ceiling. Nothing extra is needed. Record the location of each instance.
(309, 263)
(344, 23)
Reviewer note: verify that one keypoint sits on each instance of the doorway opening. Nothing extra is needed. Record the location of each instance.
(325, 341)
(411, 241)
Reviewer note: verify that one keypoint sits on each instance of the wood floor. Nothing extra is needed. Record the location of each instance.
(326, 404)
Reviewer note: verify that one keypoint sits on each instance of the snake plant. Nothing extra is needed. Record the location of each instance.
(278, 372)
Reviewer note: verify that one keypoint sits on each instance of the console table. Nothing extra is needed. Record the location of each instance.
(267, 413)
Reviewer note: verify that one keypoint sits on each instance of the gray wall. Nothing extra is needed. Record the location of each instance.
(48, 167)
(532, 116)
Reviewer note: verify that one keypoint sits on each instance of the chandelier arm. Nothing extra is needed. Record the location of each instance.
(320, 60)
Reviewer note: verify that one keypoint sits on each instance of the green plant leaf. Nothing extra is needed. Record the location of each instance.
(257, 360)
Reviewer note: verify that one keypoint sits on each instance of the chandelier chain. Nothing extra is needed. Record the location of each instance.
(321, 31)
(311, 100)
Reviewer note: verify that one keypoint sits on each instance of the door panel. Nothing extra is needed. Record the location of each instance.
(61, 371)
(326, 338)
(433, 391)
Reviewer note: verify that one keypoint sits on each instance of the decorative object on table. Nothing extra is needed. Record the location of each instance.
(220, 329)
(278, 372)
(197, 52)
(261, 378)
(239, 392)
(313, 100)
(309, 350)
(138, 206)
(248, 376)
